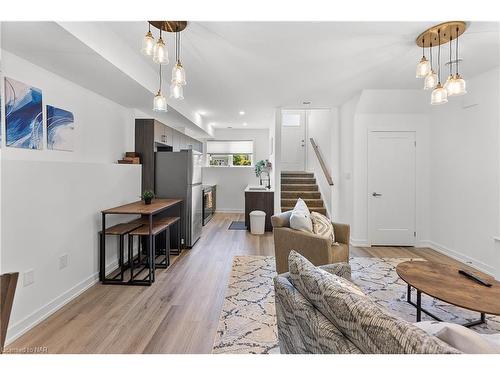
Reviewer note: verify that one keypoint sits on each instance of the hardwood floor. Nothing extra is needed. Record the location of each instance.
(179, 313)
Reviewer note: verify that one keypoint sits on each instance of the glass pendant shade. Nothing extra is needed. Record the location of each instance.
(148, 44)
(439, 95)
(176, 91)
(178, 74)
(450, 85)
(459, 86)
(160, 103)
(160, 54)
(423, 68)
(430, 80)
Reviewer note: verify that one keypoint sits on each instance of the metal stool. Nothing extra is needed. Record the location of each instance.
(159, 228)
(120, 230)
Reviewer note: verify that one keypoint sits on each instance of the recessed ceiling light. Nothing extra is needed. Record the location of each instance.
(245, 124)
(202, 113)
(242, 113)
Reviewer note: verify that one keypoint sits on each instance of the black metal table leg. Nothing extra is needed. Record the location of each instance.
(181, 215)
(179, 229)
(419, 305)
(481, 320)
(131, 255)
(102, 261)
(150, 250)
(120, 255)
(421, 310)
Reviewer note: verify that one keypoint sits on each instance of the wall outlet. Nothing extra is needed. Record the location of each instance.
(63, 261)
(28, 277)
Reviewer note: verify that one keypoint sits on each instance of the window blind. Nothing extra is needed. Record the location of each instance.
(229, 147)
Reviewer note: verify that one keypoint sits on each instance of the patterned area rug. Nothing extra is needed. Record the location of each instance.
(378, 278)
(247, 324)
(248, 320)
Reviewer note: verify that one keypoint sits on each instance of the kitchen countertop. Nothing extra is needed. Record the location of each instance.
(248, 190)
(207, 187)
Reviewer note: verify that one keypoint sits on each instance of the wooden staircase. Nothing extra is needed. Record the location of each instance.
(303, 185)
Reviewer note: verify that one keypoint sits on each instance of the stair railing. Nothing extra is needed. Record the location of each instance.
(321, 162)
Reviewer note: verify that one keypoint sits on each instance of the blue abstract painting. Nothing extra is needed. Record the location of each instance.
(60, 129)
(23, 115)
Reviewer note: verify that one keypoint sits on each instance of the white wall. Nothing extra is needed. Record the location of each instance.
(272, 154)
(323, 127)
(464, 192)
(232, 181)
(346, 143)
(458, 166)
(379, 110)
(52, 199)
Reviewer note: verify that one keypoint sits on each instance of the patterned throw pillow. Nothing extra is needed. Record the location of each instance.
(369, 327)
(322, 226)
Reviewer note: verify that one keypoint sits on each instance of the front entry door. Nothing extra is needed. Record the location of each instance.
(391, 188)
(293, 138)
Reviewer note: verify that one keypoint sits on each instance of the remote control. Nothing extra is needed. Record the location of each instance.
(474, 277)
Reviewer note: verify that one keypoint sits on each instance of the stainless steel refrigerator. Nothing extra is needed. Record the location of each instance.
(178, 175)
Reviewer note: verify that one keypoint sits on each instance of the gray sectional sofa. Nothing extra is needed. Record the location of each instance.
(319, 312)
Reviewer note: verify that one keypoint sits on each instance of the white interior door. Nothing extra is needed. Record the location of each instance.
(293, 140)
(391, 188)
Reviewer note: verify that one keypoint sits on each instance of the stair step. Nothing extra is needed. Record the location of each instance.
(299, 187)
(310, 202)
(297, 174)
(300, 194)
(320, 210)
(298, 180)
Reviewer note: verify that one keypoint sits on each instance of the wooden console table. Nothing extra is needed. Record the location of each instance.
(147, 211)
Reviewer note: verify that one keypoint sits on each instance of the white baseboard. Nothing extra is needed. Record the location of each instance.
(359, 242)
(229, 211)
(443, 250)
(20, 328)
(461, 257)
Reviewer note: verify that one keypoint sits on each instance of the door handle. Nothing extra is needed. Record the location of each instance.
(374, 194)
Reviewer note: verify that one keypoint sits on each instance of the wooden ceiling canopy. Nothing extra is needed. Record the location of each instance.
(169, 26)
(453, 28)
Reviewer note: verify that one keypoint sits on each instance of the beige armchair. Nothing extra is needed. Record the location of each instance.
(318, 250)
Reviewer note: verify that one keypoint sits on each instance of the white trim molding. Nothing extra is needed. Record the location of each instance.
(229, 211)
(20, 328)
(359, 242)
(461, 257)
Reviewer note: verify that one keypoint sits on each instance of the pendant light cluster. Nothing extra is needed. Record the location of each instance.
(159, 53)
(436, 36)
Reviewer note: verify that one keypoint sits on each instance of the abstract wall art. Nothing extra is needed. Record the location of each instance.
(60, 129)
(23, 115)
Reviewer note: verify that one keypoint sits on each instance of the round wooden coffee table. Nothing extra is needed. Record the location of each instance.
(443, 282)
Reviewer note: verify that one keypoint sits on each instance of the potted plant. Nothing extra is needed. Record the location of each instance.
(263, 166)
(148, 196)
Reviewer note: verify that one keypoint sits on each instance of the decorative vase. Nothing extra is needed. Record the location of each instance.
(147, 200)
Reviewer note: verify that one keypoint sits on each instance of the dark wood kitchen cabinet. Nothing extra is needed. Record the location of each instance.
(262, 201)
(151, 136)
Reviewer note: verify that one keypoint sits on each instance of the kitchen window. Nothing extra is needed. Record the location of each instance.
(230, 153)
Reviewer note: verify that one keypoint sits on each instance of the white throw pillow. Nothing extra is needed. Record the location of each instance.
(460, 337)
(300, 219)
(322, 226)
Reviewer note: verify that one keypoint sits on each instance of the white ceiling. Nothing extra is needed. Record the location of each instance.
(51, 47)
(259, 66)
